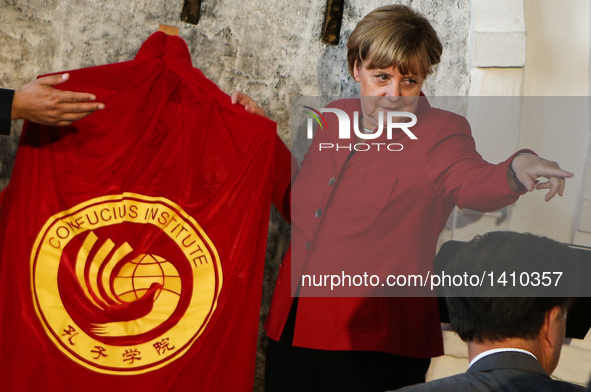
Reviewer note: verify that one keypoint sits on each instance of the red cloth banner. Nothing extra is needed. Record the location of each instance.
(133, 241)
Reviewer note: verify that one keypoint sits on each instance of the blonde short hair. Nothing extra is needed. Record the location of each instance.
(398, 36)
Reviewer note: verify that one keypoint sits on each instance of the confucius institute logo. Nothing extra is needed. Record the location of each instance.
(124, 284)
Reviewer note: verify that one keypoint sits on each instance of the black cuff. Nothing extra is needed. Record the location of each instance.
(6, 97)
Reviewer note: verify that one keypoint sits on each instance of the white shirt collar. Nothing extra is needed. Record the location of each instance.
(498, 350)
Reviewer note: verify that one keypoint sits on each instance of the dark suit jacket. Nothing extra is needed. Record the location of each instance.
(5, 110)
(506, 371)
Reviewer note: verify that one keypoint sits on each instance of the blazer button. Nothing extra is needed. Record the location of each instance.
(318, 213)
(332, 181)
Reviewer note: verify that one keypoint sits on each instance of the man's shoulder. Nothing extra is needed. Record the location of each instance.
(503, 380)
(459, 382)
(528, 383)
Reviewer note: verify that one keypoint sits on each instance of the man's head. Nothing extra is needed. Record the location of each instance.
(533, 323)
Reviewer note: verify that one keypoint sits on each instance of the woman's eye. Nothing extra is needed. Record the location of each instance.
(382, 77)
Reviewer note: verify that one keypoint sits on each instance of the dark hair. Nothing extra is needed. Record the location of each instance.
(487, 318)
(395, 35)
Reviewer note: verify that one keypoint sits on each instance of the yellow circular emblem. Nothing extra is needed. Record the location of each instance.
(124, 284)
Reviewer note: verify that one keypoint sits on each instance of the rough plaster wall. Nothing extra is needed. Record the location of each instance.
(269, 49)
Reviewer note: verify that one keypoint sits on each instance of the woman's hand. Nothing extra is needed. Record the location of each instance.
(249, 104)
(526, 168)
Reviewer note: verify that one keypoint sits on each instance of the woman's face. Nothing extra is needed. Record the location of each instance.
(388, 89)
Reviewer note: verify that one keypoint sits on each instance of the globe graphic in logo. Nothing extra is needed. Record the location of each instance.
(146, 274)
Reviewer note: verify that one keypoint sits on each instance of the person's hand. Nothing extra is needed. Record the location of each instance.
(528, 167)
(40, 103)
(249, 104)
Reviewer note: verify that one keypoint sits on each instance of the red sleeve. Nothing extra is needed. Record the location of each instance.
(459, 173)
(285, 169)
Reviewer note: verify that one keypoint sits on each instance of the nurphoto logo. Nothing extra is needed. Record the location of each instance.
(392, 123)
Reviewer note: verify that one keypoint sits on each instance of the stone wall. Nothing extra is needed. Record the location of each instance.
(269, 49)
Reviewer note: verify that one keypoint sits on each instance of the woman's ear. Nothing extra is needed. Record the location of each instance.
(356, 71)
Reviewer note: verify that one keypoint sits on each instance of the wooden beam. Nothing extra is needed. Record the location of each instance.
(191, 11)
(333, 19)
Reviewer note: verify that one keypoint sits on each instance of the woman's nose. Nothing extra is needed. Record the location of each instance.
(393, 89)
